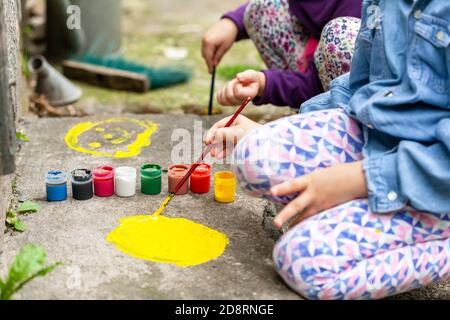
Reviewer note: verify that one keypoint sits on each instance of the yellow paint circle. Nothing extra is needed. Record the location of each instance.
(168, 240)
(124, 146)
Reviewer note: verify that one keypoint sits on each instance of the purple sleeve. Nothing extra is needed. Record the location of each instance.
(290, 88)
(237, 16)
(315, 14)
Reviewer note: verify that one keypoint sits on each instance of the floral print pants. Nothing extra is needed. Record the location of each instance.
(347, 252)
(282, 40)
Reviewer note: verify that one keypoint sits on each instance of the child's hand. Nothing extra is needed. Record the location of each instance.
(249, 83)
(224, 139)
(217, 41)
(321, 190)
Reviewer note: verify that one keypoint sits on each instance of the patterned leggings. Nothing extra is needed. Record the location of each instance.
(281, 39)
(347, 252)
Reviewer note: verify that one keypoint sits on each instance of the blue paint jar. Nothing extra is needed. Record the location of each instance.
(56, 184)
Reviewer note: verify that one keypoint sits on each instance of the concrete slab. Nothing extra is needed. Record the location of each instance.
(73, 232)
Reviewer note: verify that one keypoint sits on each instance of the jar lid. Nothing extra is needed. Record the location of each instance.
(103, 172)
(203, 169)
(151, 170)
(81, 175)
(55, 177)
(178, 170)
(224, 175)
(125, 171)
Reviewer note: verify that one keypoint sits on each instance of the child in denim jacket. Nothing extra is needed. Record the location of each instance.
(364, 170)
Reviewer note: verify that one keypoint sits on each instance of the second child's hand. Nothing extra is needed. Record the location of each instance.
(217, 41)
(249, 83)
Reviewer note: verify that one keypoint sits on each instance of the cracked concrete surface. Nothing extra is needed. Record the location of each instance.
(73, 232)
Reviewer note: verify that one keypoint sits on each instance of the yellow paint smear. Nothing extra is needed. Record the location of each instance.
(168, 240)
(124, 147)
(95, 145)
(163, 205)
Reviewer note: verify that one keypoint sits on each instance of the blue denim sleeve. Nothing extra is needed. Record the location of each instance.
(413, 174)
(338, 96)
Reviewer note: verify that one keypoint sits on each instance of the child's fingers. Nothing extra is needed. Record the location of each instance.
(220, 52)
(293, 208)
(219, 124)
(210, 136)
(290, 187)
(308, 212)
(247, 77)
(229, 93)
(221, 98)
(208, 54)
(241, 92)
(230, 134)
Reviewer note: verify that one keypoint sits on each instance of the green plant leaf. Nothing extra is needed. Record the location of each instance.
(21, 136)
(27, 265)
(11, 217)
(19, 226)
(14, 222)
(28, 207)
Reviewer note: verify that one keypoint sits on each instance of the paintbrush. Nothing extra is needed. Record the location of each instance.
(211, 92)
(199, 161)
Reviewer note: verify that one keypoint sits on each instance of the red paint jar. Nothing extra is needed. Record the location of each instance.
(176, 173)
(201, 179)
(103, 181)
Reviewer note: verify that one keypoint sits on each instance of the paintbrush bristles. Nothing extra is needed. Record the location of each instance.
(164, 205)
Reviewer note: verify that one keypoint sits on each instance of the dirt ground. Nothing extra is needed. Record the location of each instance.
(150, 27)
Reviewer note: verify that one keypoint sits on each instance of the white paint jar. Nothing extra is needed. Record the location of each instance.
(125, 181)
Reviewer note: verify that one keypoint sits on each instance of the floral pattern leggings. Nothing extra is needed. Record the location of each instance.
(347, 252)
(282, 40)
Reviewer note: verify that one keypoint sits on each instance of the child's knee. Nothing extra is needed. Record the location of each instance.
(256, 168)
(341, 26)
(253, 12)
(296, 263)
(339, 36)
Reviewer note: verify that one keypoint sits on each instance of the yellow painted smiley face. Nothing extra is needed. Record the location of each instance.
(115, 137)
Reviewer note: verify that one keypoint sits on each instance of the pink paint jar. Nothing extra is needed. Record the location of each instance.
(176, 174)
(103, 181)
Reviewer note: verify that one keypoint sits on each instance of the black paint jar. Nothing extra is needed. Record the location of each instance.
(82, 185)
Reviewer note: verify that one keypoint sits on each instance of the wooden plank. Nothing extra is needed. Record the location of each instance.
(106, 77)
(7, 125)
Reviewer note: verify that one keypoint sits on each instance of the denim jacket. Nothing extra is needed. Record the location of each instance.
(399, 90)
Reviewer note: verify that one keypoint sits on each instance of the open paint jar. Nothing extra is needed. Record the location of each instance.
(224, 186)
(82, 186)
(104, 181)
(151, 179)
(56, 185)
(201, 179)
(125, 181)
(176, 174)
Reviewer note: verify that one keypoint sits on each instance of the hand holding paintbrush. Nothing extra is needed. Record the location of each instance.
(199, 160)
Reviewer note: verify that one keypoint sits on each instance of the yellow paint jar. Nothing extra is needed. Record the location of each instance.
(224, 186)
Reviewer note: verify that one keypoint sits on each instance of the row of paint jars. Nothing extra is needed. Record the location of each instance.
(105, 181)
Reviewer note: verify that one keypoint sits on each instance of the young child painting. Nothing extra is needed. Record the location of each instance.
(363, 170)
(305, 44)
